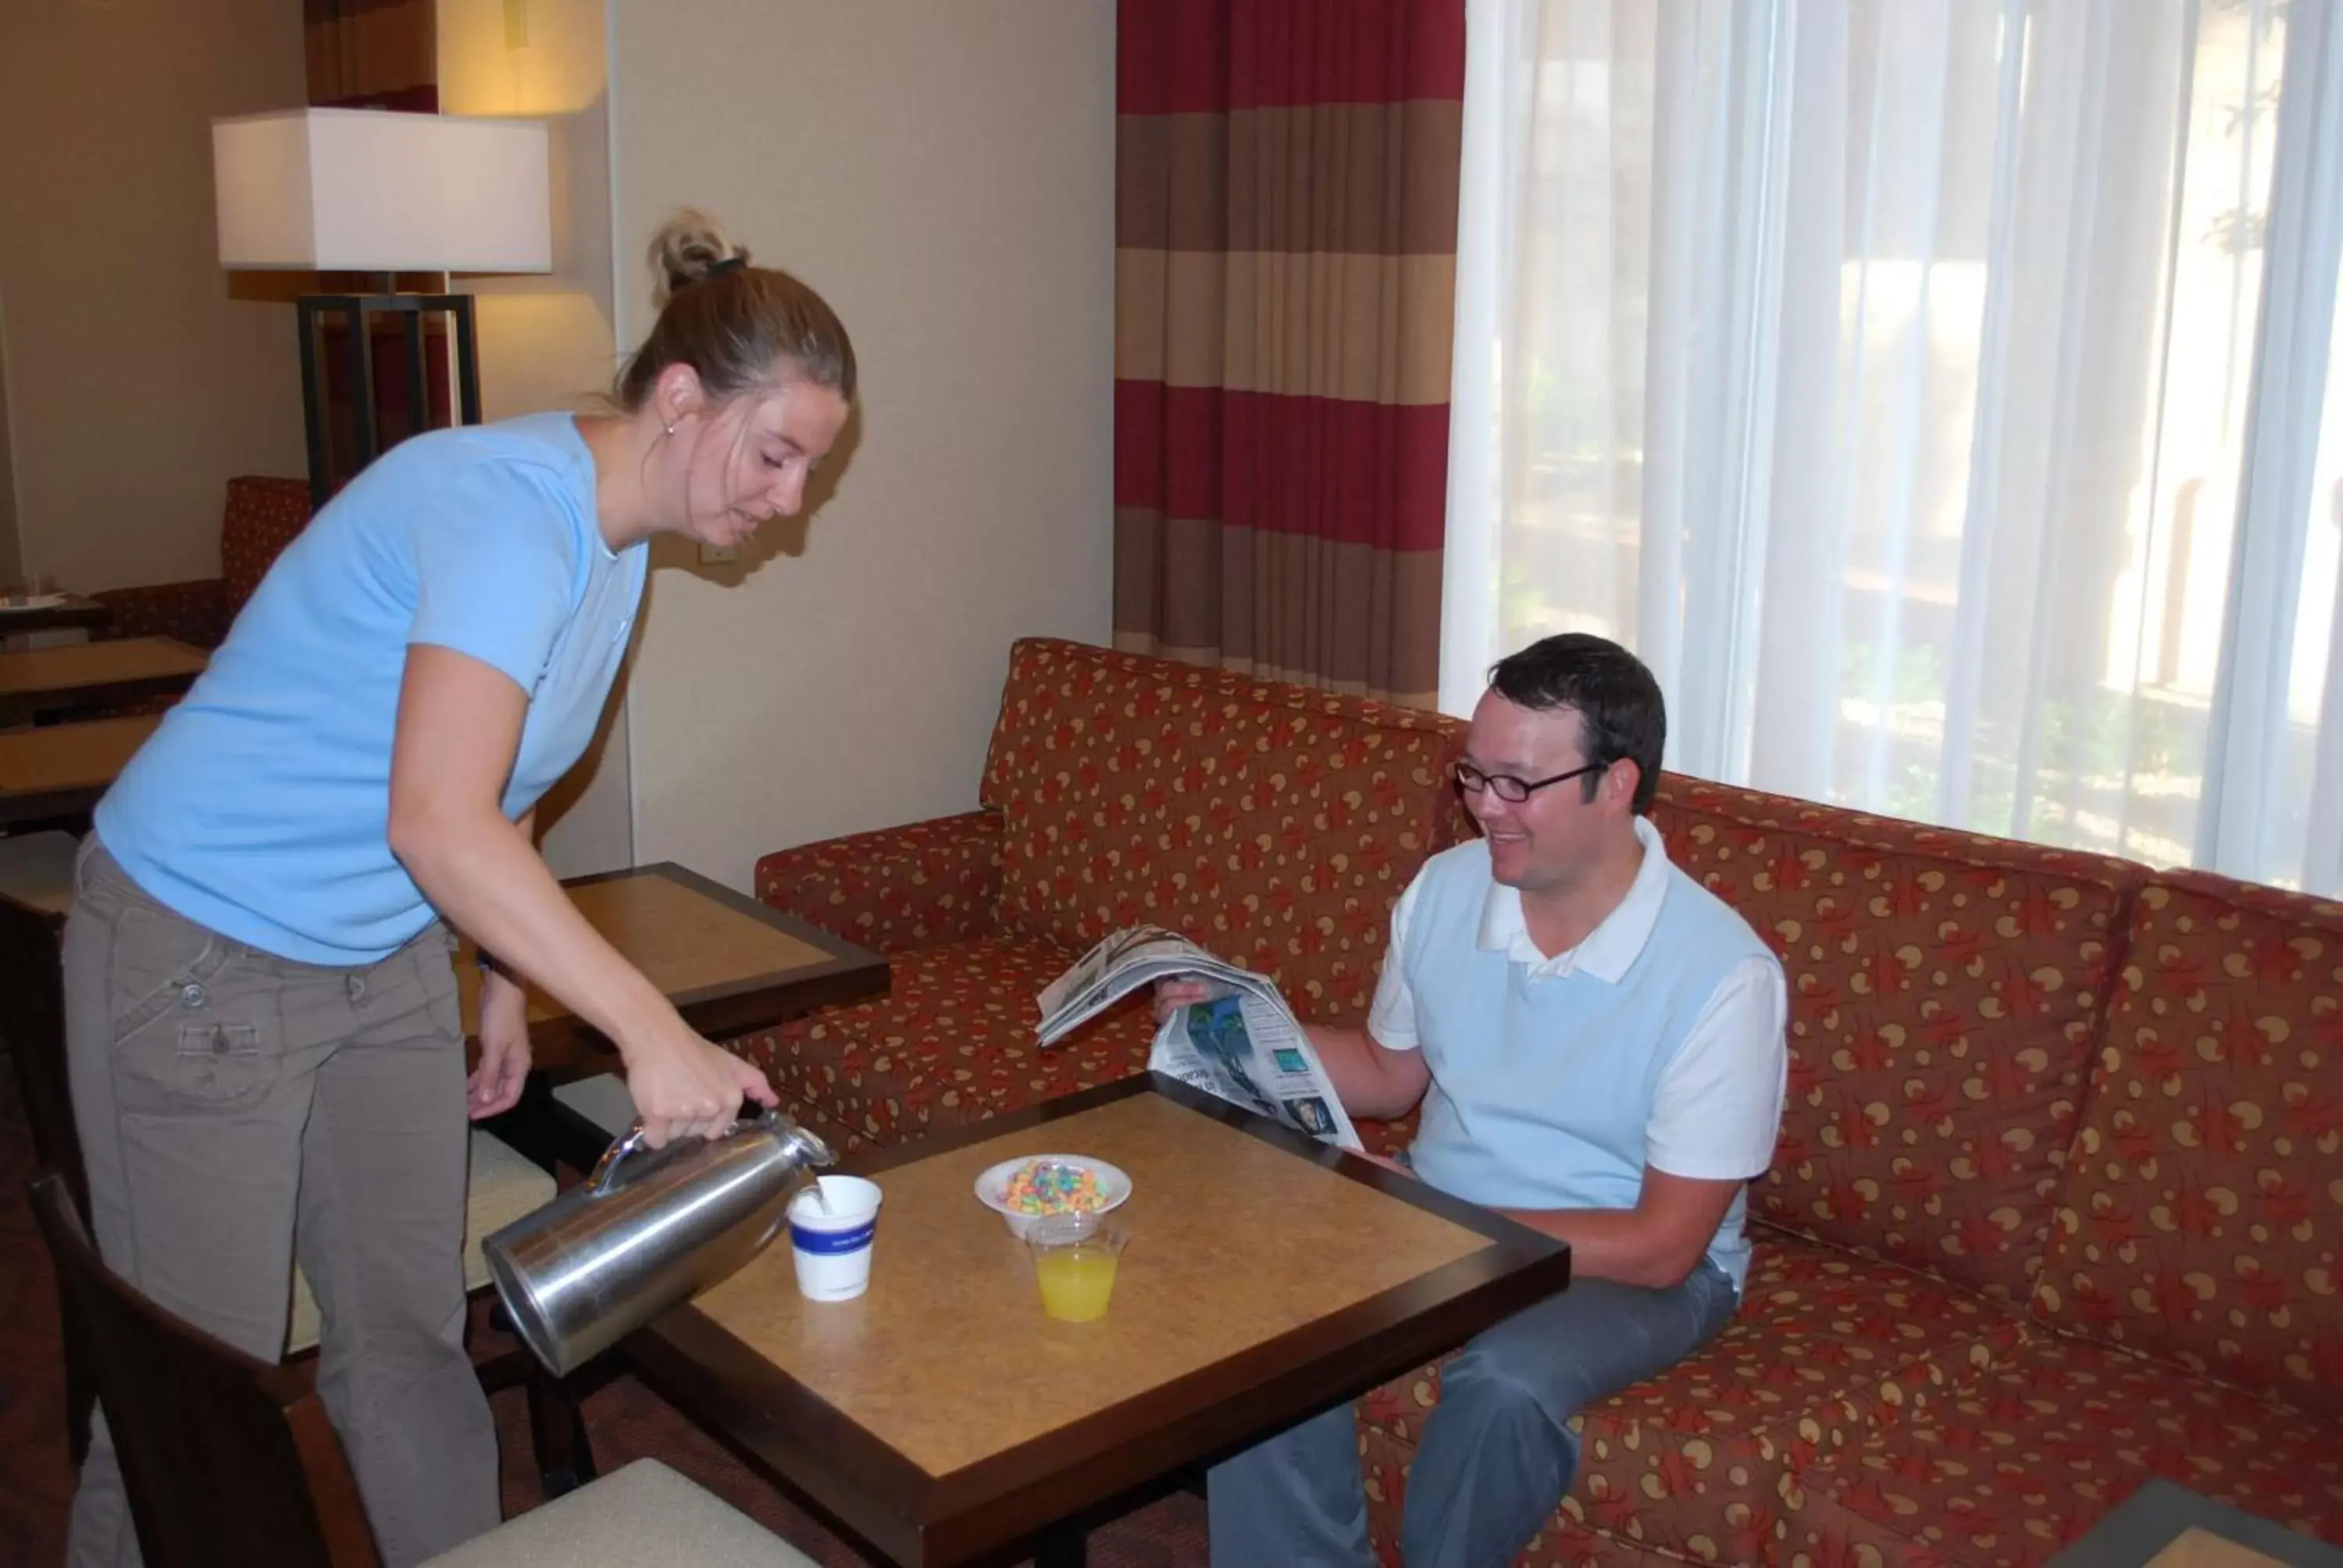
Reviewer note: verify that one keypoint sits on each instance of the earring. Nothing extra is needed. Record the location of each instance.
(671, 429)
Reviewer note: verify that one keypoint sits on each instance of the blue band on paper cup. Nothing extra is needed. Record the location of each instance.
(832, 1251)
(831, 1243)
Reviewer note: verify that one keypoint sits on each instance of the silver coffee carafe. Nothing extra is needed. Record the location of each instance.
(648, 1228)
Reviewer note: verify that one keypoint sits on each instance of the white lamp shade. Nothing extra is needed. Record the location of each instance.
(369, 190)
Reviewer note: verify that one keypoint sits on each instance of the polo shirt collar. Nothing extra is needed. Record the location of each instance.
(1611, 947)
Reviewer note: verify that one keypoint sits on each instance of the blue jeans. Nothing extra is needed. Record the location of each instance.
(1497, 1453)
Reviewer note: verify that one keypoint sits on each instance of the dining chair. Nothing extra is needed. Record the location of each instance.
(228, 1459)
(33, 901)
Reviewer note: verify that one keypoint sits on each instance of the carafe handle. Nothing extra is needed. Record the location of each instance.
(605, 1180)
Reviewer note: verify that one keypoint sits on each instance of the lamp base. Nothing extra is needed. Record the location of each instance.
(313, 312)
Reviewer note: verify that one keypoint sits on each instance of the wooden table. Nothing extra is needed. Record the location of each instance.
(59, 612)
(62, 770)
(942, 1419)
(2164, 1525)
(729, 964)
(94, 673)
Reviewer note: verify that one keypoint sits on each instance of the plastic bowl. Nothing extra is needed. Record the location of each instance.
(992, 1186)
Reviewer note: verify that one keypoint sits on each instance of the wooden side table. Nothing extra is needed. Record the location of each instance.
(95, 675)
(61, 770)
(52, 612)
(2163, 1526)
(729, 964)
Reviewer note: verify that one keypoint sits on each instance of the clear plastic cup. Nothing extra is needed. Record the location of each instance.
(1074, 1260)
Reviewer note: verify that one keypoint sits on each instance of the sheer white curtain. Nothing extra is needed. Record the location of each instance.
(1936, 393)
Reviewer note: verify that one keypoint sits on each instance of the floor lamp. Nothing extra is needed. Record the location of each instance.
(380, 192)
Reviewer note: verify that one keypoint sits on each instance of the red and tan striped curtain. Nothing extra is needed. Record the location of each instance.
(1285, 266)
(373, 53)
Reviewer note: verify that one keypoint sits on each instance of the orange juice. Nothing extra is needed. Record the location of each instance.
(1075, 1281)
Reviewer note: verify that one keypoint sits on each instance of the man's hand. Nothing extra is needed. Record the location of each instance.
(1172, 995)
(495, 1085)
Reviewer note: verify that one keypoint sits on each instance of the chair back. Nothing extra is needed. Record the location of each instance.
(33, 1023)
(229, 1461)
(262, 515)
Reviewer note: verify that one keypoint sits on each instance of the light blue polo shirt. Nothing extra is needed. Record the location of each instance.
(261, 805)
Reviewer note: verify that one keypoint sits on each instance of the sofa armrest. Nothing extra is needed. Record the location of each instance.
(194, 612)
(896, 889)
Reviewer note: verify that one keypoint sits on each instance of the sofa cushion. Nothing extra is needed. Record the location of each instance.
(2203, 1220)
(950, 1043)
(1275, 826)
(1028, 709)
(2019, 1460)
(1824, 1344)
(896, 889)
(1944, 993)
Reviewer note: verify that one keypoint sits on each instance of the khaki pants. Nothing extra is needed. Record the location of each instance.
(236, 1108)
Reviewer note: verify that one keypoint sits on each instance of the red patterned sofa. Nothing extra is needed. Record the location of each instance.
(1276, 825)
(2059, 1201)
(261, 516)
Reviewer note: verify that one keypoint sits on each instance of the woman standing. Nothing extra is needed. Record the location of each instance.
(265, 1049)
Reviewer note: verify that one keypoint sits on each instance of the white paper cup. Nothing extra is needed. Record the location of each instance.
(832, 1248)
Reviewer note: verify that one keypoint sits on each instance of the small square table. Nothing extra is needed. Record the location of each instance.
(729, 962)
(942, 1419)
(61, 770)
(94, 674)
(2164, 1525)
(23, 613)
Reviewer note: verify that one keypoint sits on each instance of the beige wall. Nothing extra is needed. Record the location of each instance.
(944, 174)
(136, 385)
(548, 342)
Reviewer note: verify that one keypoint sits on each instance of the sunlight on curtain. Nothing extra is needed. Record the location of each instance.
(1898, 378)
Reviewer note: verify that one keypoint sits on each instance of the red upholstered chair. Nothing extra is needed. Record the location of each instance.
(262, 515)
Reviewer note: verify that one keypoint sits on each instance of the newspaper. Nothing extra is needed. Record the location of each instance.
(1242, 1043)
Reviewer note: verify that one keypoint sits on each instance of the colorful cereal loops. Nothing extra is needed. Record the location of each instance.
(1051, 1187)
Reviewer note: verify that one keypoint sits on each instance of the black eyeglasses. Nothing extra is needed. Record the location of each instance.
(1505, 786)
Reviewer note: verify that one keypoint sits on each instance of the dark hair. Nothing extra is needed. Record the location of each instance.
(731, 322)
(1618, 701)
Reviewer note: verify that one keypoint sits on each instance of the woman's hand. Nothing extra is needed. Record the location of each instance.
(682, 1085)
(495, 1085)
(1172, 995)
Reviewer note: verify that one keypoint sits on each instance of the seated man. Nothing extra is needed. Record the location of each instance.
(1598, 1044)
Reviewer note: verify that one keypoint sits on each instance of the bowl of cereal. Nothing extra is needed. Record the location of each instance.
(1025, 1189)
